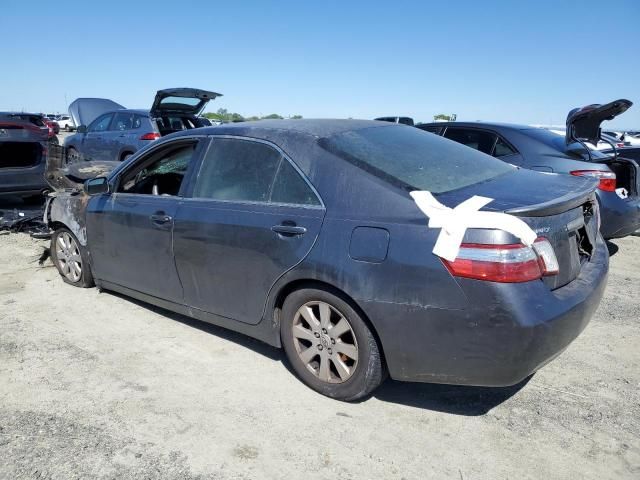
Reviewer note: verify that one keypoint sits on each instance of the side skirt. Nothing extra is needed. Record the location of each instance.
(264, 331)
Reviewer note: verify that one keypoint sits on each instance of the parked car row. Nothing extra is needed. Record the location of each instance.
(571, 153)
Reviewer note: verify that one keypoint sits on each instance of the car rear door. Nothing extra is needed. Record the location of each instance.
(130, 231)
(251, 216)
(485, 141)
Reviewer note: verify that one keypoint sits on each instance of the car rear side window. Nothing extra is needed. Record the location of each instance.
(248, 171)
(122, 121)
(289, 187)
(476, 139)
(415, 160)
(502, 149)
(431, 129)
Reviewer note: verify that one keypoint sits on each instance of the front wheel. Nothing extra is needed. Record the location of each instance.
(329, 345)
(71, 259)
(72, 155)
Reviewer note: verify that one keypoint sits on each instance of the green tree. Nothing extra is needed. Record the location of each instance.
(442, 116)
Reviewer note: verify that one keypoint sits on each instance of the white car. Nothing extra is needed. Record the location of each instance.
(632, 140)
(66, 123)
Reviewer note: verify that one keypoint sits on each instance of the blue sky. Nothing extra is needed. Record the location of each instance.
(525, 62)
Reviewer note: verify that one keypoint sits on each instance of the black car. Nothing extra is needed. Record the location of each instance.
(24, 146)
(304, 234)
(542, 150)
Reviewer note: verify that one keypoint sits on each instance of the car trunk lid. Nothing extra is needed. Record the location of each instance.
(560, 208)
(583, 124)
(181, 101)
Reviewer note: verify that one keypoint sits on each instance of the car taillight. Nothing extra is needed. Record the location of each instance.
(607, 179)
(150, 136)
(511, 263)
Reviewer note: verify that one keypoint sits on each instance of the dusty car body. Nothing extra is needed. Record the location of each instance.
(342, 254)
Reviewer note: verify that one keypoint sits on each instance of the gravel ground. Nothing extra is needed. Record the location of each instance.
(94, 385)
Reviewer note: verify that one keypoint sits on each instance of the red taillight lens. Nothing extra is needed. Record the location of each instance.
(513, 263)
(150, 136)
(607, 179)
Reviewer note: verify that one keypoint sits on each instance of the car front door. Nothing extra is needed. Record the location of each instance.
(94, 143)
(250, 217)
(129, 231)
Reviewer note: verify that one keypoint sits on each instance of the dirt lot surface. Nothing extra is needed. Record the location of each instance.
(94, 385)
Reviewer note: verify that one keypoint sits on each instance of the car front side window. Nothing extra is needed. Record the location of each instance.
(101, 124)
(161, 172)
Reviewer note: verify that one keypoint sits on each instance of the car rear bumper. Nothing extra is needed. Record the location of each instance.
(503, 333)
(23, 181)
(620, 217)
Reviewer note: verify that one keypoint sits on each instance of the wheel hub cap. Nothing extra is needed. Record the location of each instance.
(325, 342)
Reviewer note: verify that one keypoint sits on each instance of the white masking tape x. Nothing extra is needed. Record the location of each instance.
(455, 221)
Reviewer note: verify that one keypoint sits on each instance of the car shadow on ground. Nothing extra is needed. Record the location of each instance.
(612, 247)
(453, 399)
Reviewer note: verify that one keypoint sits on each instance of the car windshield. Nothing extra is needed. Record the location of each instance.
(413, 159)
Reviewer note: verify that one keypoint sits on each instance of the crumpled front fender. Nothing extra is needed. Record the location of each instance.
(68, 209)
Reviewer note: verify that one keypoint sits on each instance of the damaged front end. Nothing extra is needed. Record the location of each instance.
(66, 205)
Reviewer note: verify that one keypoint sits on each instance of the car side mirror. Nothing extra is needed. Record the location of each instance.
(82, 129)
(96, 186)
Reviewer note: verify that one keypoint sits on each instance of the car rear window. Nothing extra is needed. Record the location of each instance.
(413, 159)
(556, 140)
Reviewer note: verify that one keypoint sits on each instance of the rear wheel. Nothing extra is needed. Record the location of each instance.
(67, 128)
(329, 345)
(71, 259)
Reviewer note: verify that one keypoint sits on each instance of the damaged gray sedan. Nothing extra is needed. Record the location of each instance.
(304, 234)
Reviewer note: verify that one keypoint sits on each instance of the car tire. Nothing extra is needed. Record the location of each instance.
(72, 155)
(124, 156)
(67, 128)
(71, 259)
(313, 315)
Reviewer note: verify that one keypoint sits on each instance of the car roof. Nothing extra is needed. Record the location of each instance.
(131, 110)
(313, 127)
(479, 124)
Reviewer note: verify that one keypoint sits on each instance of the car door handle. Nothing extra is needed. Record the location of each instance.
(289, 230)
(160, 218)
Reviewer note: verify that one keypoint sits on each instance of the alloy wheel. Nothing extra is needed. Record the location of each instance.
(68, 256)
(325, 342)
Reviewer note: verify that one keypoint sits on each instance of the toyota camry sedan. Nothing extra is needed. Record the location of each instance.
(304, 234)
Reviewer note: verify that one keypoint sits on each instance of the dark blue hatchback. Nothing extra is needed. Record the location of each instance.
(304, 234)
